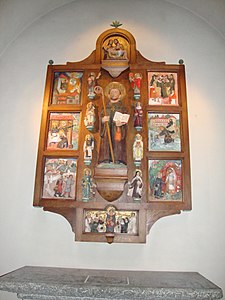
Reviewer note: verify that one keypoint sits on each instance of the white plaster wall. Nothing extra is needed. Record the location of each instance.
(192, 241)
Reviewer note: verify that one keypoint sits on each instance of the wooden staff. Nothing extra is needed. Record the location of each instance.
(99, 90)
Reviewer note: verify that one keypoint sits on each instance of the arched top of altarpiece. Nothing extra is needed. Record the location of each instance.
(115, 52)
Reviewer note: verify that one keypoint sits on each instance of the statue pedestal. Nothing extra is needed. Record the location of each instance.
(110, 181)
(42, 283)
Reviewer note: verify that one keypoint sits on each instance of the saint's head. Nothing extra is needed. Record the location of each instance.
(115, 92)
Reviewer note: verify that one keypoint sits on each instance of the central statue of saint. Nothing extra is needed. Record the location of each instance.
(115, 117)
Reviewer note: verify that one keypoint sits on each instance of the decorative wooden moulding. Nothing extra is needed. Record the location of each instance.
(113, 153)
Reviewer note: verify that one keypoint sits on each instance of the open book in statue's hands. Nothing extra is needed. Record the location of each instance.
(121, 118)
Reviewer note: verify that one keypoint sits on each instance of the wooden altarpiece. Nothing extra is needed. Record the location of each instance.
(113, 153)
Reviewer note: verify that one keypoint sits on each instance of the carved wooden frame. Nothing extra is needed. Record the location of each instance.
(148, 211)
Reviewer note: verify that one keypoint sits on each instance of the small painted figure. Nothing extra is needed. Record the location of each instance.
(138, 116)
(62, 84)
(58, 189)
(172, 96)
(135, 80)
(90, 118)
(107, 49)
(91, 82)
(154, 91)
(120, 52)
(138, 149)
(88, 148)
(88, 222)
(110, 220)
(168, 132)
(117, 228)
(87, 185)
(101, 224)
(158, 186)
(132, 226)
(94, 225)
(136, 186)
(124, 224)
(170, 181)
(69, 183)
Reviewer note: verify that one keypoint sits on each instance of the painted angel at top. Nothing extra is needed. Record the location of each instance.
(135, 80)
